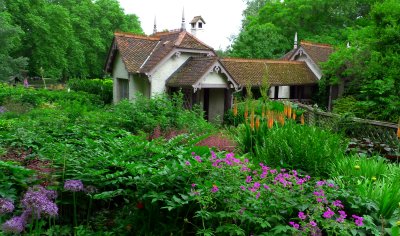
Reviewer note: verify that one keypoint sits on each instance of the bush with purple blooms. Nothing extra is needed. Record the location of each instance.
(223, 194)
(37, 203)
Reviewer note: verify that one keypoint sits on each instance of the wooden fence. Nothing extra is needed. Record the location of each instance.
(384, 133)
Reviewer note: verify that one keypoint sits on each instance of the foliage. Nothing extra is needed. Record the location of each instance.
(321, 21)
(67, 38)
(101, 87)
(371, 178)
(146, 114)
(371, 64)
(9, 39)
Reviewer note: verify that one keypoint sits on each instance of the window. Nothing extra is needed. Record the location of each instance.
(123, 88)
(192, 25)
(200, 25)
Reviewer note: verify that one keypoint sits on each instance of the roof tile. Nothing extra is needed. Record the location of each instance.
(191, 71)
(280, 73)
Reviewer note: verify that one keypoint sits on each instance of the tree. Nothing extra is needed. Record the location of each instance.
(9, 40)
(372, 64)
(259, 41)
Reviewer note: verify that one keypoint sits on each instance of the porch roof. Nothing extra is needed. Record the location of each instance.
(191, 71)
(278, 72)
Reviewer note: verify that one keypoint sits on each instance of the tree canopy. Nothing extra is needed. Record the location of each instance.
(370, 68)
(68, 38)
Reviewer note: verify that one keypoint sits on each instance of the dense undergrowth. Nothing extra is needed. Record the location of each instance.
(140, 169)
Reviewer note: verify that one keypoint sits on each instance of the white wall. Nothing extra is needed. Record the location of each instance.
(139, 84)
(119, 71)
(214, 78)
(283, 92)
(164, 72)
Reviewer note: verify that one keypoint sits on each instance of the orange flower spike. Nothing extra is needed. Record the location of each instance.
(289, 112)
(246, 114)
(270, 122)
(294, 115)
(252, 119)
(302, 119)
(398, 130)
(235, 110)
(258, 123)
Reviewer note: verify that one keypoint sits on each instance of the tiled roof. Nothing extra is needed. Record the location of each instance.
(191, 71)
(318, 52)
(169, 41)
(253, 71)
(197, 18)
(134, 49)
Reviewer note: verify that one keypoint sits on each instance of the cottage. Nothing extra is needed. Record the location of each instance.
(166, 62)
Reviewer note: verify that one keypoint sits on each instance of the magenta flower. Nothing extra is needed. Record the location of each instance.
(6, 206)
(294, 225)
(187, 163)
(258, 195)
(214, 188)
(338, 204)
(342, 216)
(302, 216)
(248, 179)
(243, 188)
(198, 158)
(194, 185)
(328, 213)
(313, 224)
(358, 220)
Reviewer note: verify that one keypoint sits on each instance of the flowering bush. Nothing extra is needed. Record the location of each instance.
(225, 194)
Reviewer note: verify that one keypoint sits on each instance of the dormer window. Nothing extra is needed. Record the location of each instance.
(200, 25)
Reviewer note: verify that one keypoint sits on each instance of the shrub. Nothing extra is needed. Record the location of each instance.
(100, 87)
(146, 114)
(372, 178)
(297, 146)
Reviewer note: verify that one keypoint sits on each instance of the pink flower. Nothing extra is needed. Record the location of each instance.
(328, 213)
(194, 185)
(294, 225)
(187, 163)
(198, 158)
(248, 179)
(302, 216)
(358, 220)
(338, 204)
(214, 188)
(313, 224)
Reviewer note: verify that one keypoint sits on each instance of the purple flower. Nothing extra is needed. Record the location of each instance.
(214, 188)
(302, 216)
(198, 158)
(338, 204)
(313, 224)
(243, 188)
(248, 179)
(38, 201)
(187, 163)
(328, 213)
(73, 185)
(193, 153)
(342, 216)
(194, 185)
(6, 206)
(294, 225)
(258, 195)
(14, 225)
(320, 183)
(358, 220)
